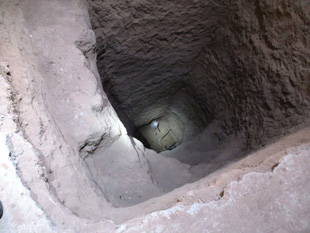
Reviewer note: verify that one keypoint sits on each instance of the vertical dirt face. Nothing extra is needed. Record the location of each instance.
(256, 69)
(146, 53)
(244, 66)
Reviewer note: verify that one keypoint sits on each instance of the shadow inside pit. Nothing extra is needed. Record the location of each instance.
(138, 135)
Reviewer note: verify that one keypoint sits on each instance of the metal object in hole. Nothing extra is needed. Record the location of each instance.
(155, 125)
(173, 145)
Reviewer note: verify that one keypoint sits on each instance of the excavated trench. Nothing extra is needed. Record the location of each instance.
(200, 82)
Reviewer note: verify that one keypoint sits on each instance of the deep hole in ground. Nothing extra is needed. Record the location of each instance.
(215, 80)
(185, 81)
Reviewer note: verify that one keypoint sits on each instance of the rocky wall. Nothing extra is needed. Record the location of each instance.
(242, 64)
(253, 76)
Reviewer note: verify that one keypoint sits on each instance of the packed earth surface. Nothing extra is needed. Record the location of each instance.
(154, 116)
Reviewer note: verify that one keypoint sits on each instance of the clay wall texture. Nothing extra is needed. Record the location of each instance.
(242, 63)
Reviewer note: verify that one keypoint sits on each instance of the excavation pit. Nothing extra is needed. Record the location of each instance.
(183, 87)
(141, 111)
(164, 133)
